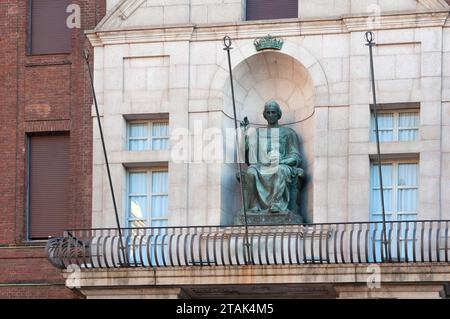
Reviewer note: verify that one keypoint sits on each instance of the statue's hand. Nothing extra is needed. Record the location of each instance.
(245, 124)
(289, 161)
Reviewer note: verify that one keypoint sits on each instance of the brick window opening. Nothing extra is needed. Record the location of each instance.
(48, 30)
(48, 186)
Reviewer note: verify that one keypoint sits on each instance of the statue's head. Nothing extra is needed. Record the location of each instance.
(272, 112)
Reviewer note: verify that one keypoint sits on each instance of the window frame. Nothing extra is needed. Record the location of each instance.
(399, 235)
(396, 127)
(395, 213)
(148, 195)
(29, 40)
(27, 187)
(149, 138)
(246, 15)
(29, 28)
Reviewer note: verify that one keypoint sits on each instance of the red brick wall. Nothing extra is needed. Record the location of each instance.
(40, 94)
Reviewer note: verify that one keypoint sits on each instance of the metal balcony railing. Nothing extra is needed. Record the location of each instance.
(331, 243)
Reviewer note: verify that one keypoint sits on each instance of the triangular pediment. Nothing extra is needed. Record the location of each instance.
(434, 4)
(117, 17)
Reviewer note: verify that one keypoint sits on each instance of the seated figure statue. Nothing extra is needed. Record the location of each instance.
(274, 170)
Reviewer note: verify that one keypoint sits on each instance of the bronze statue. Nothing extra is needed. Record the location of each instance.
(274, 174)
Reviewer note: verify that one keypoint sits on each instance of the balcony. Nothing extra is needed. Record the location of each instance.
(332, 260)
(331, 243)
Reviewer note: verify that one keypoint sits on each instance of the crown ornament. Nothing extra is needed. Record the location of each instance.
(268, 42)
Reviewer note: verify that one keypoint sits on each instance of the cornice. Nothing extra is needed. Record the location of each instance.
(398, 21)
(140, 35)
(276, 28)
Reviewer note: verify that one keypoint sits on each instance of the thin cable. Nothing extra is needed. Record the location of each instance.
(286, 124)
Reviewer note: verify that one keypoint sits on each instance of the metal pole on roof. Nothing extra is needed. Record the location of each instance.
(122, 245)
(370, 37)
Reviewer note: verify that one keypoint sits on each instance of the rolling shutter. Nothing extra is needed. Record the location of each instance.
(49, 186)
(49, 31)
(271, 9)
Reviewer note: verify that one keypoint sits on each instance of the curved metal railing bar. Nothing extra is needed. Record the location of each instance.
(324, 243)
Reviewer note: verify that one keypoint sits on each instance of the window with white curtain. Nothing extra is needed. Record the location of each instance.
(147, 198)
(399, 126)
(147, 206)
(148, 135)
(400, 190)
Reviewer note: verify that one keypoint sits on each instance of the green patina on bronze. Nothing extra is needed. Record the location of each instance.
(274, 175)
(268, 42)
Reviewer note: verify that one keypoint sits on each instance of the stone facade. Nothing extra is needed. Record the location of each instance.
(167, 57)
(321, 78)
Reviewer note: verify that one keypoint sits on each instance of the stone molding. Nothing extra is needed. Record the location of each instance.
(279, 274)
(434, 4)
(253, 29)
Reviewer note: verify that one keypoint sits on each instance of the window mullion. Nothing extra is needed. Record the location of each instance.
(128, 204)
(150, 135)
(128, 146)
(395, 119)
(395, 191)
(149, 198)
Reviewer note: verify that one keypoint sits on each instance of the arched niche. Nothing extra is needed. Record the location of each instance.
(258, 79)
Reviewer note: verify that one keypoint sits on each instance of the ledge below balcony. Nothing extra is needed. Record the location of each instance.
(412, 280)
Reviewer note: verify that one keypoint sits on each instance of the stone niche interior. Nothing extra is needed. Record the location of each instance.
(258, 79)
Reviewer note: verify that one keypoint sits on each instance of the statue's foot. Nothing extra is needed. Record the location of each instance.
(274, 209)
(253, 211)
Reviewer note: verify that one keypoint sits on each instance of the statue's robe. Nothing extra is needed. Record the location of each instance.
(267, 184)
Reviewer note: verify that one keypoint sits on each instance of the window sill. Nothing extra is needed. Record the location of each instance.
(26, 245)
(31, 55)
(34, 243)
(48, 60)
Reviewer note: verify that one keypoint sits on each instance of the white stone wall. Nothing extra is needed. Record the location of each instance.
(174, 12)
(167, 12)
(183, 72)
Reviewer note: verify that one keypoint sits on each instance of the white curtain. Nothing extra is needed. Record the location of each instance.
(139, 216)
(137, 193)
(375, 198)
(159, 199)
(385, 127)
(160, 133)
(138, 136)
(407, 192)
(407, 189)
(406, 184)
(408, 123)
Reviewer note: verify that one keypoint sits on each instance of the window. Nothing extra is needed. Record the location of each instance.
(396, 126)
(147, 207)
(400, 185)
(148, 135)
(48, 30)
(147, 198)
(48, 186)
(269, 9)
